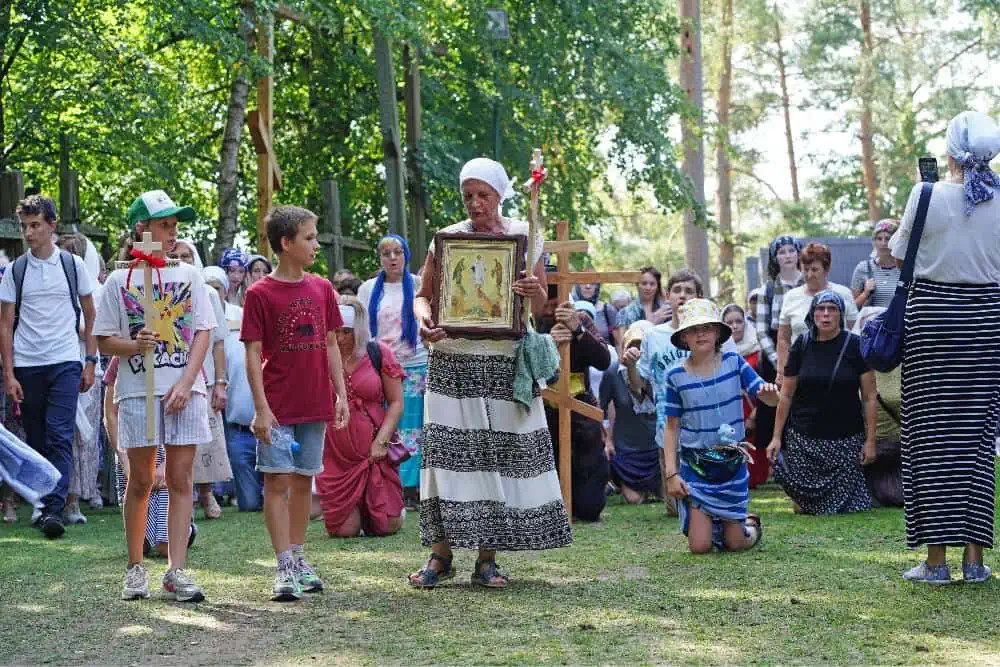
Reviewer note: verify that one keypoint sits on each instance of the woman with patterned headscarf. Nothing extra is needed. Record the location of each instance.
(234, 263)
(951, 358)
(874, 280)
(821, 434)
(388, 300)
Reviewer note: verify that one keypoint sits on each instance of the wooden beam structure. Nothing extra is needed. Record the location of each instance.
(261, 122)
(560, 396)
(331, 236)
(392, 152)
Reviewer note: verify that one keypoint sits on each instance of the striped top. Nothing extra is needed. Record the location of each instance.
(766, 320)
(885, 281)
(703, 404)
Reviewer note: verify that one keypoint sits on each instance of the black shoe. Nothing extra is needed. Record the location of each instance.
(193, 533)
(52, 527)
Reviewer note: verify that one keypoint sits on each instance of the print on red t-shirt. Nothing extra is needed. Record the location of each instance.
(292, 320)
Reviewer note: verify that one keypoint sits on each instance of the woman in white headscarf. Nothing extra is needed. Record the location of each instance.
(487, 480)
(951, 359)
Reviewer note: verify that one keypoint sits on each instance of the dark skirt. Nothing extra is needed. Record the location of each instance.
(638, 470)
(950, 391)
(823, 476)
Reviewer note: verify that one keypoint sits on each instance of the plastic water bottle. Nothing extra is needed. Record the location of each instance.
(284, 436)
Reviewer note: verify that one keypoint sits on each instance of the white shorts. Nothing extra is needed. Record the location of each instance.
(187, 427)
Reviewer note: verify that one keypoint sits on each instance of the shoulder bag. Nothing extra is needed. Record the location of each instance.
(882, 337)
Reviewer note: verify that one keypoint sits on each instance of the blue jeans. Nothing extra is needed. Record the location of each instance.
(49, 416)
(249, 484)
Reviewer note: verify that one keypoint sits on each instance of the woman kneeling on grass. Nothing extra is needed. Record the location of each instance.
(705, 424)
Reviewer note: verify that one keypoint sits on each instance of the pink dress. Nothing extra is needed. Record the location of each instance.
(348, 479)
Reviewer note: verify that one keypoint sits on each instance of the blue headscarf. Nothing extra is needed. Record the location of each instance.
(409, 323)
(826, 296)
(230, 255)
(973, 139)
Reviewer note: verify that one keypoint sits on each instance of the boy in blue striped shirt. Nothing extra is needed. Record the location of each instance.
(704, 453)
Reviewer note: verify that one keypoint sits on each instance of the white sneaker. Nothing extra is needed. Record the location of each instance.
(136, 583)
(36, 514)
(96, 503)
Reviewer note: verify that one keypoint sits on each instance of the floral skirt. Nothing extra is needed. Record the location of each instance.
(411, 424)
(823, 476)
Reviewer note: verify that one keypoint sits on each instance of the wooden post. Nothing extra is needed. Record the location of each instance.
(392, 153)
(69, 187)
(560, 396)
(11, 192)
(414, 173)
(331, 235)
(695, 237)
(149, 246)
(264, 121)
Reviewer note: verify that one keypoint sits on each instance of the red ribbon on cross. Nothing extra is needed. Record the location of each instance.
(138, 257)
(538, 175)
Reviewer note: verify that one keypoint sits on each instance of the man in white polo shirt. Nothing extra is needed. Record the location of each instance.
(41, 349)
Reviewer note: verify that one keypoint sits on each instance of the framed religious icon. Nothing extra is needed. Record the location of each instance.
(473, 285)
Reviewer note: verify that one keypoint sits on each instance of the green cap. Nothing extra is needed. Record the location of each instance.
(157, 204)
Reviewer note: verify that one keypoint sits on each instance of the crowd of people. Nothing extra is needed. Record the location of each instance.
(344, 401)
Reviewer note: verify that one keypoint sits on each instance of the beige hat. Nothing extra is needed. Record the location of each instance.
(634, 334)
(695, 313)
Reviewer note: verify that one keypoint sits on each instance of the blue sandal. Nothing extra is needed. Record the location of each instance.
(486, 571)
(428, 577)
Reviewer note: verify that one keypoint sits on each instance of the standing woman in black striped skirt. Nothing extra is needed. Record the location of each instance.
(951, 363)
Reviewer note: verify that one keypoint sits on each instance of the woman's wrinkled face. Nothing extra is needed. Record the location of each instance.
(481, 202)
(736, 323)
(881, 242)
(815, 274)
(587, 290)
(392, 258)
(648, 288)
(787, 256)
(184, 253)
(827, 318)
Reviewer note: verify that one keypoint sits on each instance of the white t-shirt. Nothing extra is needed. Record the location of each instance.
(954, 247)
(47, 332)
(183, 309)
(390, 320)
(795, 307)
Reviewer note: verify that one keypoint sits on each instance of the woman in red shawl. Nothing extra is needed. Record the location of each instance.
(359, 489)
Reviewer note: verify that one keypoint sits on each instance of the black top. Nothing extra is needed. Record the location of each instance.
(815, 413)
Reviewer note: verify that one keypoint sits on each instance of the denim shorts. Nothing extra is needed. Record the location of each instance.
(307, 461)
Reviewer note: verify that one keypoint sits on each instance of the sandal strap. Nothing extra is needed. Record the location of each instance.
(446, 562)
(491, 570)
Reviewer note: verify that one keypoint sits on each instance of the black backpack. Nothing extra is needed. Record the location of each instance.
(69, 268)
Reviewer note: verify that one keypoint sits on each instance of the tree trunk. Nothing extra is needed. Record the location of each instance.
(229, 212)
(415, 177)
(695, 237)
(786, 107)
(723, 168)
(867, 92)
(392, 153)
(6, 7)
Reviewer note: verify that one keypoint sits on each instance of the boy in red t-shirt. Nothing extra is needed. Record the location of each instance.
(289, 322)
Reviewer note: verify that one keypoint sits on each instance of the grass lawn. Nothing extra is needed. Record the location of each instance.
(817, 590)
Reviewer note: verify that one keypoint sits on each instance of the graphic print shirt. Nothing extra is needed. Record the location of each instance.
(181, 309)
(291, 320)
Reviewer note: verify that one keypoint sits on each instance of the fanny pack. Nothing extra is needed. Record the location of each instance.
(718, 464)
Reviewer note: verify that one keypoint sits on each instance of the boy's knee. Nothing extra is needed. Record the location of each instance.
(179, 481)
(139, 484)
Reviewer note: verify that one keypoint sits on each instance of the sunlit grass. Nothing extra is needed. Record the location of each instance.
(626, 592)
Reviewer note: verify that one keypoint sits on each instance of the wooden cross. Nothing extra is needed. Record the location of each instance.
(261, 120)
(149, 246)
(564, 279)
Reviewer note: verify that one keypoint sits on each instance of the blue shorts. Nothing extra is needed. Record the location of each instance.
(307, 461)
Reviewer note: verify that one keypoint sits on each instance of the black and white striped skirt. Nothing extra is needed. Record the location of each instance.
(950, 394)
(487, 478)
